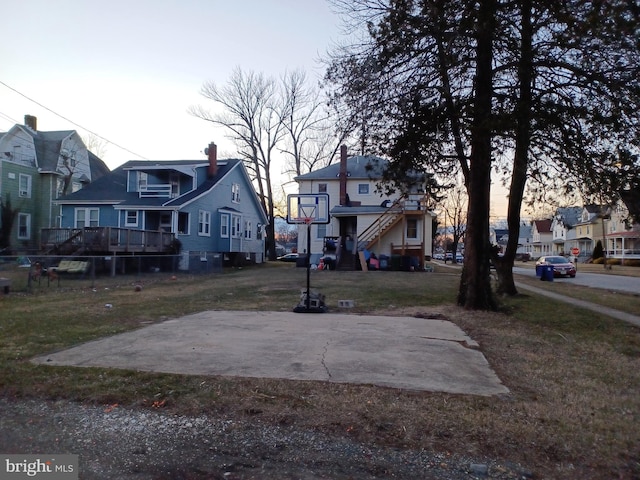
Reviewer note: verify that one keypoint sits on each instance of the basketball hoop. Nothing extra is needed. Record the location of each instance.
(306, 220)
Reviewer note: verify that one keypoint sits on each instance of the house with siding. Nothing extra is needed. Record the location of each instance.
(37, 168)
(541, 236)
(563, 229)
(362, 217)
(591, 228)
(196, 207)
(623, 233)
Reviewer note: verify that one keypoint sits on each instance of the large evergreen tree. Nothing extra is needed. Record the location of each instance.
(546, 92)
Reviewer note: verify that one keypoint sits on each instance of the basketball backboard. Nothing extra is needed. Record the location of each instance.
(304, 206)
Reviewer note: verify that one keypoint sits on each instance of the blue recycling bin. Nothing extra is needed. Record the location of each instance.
(547, 273)
(538, 270)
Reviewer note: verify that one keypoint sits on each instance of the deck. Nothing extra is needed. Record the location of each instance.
(105, 240)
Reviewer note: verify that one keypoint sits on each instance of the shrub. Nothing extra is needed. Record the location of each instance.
(598, 261)
(598, 251)
(632, 263)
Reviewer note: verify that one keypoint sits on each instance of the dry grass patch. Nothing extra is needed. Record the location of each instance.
(573, 377)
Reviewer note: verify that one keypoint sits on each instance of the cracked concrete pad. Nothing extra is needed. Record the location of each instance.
(399, 352)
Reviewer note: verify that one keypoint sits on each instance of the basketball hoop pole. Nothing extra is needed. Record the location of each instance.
(308, 300)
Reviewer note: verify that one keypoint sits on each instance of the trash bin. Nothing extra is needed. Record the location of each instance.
(547, 273)
(538, 270)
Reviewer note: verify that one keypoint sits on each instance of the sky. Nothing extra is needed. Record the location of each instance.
(127, 71)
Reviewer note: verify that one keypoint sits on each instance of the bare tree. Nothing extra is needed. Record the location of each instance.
(252, 114)
(455, 211)
(96, 145)
(313, 133)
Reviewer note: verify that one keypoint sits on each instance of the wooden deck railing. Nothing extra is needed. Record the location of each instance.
(107, 239)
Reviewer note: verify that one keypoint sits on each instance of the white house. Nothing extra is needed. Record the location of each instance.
(364, 218)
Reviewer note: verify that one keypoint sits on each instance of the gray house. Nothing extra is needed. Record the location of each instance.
(195, 207)
(36, 168)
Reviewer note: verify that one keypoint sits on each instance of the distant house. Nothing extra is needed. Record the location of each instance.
(563, 229)
(623, 233)
(199, 207)
(590, 228)
(541, 238)
(362, 218)
(36, 168)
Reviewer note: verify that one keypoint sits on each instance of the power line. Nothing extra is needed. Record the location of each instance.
(72, 122)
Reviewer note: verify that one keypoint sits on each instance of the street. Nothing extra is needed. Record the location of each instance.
(595, 280)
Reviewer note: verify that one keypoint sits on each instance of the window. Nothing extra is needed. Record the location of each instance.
(224, 225)
(235, 193)
(412, 228)
(131, 218)
(259, 232)
(204, 223)
(247, 230)
(183, 223)
(322, 188)
(363, 188)
(24, 226)
(143, 179)
(235, 226)
(322, 230)
(86, 217)
(25, 186)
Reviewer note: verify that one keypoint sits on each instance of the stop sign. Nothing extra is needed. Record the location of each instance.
(575, 251)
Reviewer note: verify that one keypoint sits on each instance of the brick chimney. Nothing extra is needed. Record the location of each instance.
(212, 154)
(343, 175)
(31, 122)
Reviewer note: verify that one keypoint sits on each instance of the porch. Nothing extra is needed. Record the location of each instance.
(76, 241)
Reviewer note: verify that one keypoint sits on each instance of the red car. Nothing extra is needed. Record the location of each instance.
(561, 266)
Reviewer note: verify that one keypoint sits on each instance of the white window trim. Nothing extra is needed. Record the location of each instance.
(87, 217)
(361, 187)
(27, 192)
(247, 230)
(236, 226)
(127, 223)
(224, 225)
(204, 223)
(27, 218)
(235, 193)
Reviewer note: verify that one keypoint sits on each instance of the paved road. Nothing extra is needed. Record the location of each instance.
(595, 280)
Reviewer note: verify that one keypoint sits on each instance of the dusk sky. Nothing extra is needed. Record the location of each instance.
(129, 70)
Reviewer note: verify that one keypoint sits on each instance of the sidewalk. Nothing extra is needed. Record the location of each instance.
(627, 317)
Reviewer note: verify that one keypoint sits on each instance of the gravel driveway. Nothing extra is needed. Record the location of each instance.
(127, 444)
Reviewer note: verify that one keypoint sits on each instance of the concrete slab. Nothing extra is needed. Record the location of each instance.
(399, 352)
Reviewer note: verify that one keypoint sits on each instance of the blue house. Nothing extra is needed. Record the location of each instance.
(194, 207)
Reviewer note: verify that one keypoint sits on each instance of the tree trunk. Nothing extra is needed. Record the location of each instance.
(504, 265)
(475, 287)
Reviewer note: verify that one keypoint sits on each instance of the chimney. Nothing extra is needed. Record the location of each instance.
(343, 175)
(31, 122)
(212, 154)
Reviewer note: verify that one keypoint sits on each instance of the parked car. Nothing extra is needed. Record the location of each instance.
(289, 257)
(561, 266)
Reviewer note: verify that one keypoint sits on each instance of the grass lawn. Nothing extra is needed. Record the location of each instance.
(573, 375)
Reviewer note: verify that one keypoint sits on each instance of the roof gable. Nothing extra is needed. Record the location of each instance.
(369, 167)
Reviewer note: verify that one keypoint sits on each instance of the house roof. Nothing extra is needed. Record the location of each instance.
(112, 188)
(543, 226)
(357, 167)
(48, 145)
(570, 216)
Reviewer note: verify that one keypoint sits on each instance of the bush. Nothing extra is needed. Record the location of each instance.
(632, 263)
(598, 251)
(597, 261)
